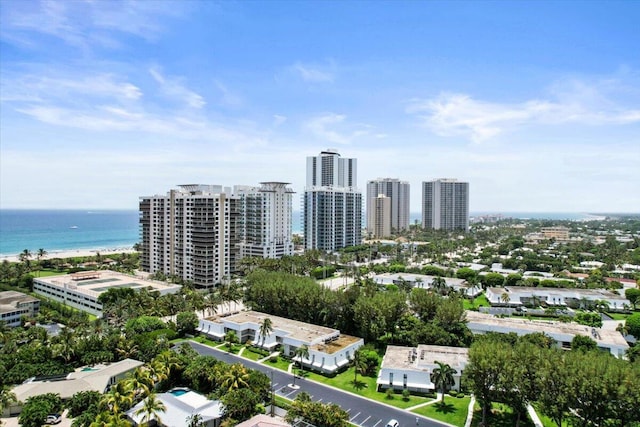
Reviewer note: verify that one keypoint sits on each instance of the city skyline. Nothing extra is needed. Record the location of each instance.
(534, 104)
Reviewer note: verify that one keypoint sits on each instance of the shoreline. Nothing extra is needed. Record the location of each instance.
(71, 253)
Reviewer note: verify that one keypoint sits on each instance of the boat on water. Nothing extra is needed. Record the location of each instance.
(74, 226)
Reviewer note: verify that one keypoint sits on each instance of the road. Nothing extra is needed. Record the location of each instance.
(362, 412)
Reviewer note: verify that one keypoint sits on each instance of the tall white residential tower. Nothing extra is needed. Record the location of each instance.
(332, 204)
(398, 193)
(445, 204)
(266, 211)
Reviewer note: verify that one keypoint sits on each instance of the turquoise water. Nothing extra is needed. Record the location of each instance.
(56, 230)
(178, 392)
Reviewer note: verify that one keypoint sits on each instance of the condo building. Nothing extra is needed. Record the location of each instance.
(266, 220)
(379, 217)
(192, 232)
(398, 193)
(332, 204)
(445, 205)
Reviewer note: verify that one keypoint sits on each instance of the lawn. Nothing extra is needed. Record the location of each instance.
(619, 316)
(548, 422)
(252, 355)
(280, 363)
(480, 301)
(366, 387)
(499, 416)
(47, 273)
(453, 412)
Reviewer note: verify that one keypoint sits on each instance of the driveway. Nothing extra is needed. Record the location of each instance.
(362, 412)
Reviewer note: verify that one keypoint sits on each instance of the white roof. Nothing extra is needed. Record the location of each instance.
(179, 408)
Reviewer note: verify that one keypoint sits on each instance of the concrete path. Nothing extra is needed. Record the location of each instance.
(264, 359)
(534, 416)
(472, 403)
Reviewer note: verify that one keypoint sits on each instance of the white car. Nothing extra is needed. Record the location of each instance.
(393, 423)
(53, 419)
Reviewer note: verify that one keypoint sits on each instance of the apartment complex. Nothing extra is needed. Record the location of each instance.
(266, 220)
(379, 217)
(332, 204)
(398, 193)
(445, 204)
(193, 232)
(14, 305)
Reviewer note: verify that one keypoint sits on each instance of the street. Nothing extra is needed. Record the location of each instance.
(362, 412)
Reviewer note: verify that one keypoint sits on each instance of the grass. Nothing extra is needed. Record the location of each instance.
(453, 412)
(500, 415)
(252, 355)
(480, 301)
(206, 341)
(366, 387)
(619, 316)
(47, 273)
(280, 363)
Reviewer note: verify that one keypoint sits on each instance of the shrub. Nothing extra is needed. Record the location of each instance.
(389, 394)
(405, 395)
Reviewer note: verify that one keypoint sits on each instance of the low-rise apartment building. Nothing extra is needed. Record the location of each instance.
(411, 367)
(425, 281)
(562, 333)
(515, 296)
(14, 305)
(329, 350)
(82, 290)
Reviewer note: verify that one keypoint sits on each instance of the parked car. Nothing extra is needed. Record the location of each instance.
(53, 419)
(393, 423)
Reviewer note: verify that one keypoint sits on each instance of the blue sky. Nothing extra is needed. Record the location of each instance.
(536, 104)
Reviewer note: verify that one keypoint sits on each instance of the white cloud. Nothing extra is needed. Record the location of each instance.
(331, 127)
(173, 87)
(278, 120)
(572, 102)
(313, 73)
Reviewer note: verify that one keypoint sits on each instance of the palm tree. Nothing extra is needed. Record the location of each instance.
(7, 397)
(211, 302)
(266, 327)
(25, 257)
(359, 365)
(141, 382)
(302, 352)
(119, 398)
(230, 338)
(39, 255)
(505, 298)
(150, 409)
(235, 377)
(442, 377)
(439, 284)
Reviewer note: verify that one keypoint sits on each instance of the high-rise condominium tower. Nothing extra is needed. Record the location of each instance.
(332, 204)
(192, 233)
(266, 225)
(398, 193)
(379, 217)
(445, 204)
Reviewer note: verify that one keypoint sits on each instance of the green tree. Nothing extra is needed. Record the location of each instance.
(633, 325)
(241, 403)
(555, 385)
(633, 295)
(235, 377)
(583, 343)
(266, 327)
(442, 377)
(119, 398)
(186, 323)
(151, 409)
(302, 353)
(36, 408)
(82, 402)
(231, 338)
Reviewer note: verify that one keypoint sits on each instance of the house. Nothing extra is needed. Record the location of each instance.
(562, 333)
(94, 378)
(180, 404)
(555, 297)
(329, 350)
(14, 305)
(411, 367)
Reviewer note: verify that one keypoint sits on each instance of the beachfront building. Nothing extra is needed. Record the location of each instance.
(266, 220)
(81, 290)
(445, 205)
(180, 404)
(411, 367)
(562, 333)
(14, 305)
(425, 281)
(329, 350)
(192, 232)
(515, 296)
(91, 378)
(332, 203)
(397, 192)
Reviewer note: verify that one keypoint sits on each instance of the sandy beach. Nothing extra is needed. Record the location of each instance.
(72, 253)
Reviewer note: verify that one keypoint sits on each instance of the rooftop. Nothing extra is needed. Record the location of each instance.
(549, 327)
(305, 332)
(424, 357)
(95, 283)
(9, 300)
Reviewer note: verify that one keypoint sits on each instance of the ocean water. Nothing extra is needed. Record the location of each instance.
(61, 230)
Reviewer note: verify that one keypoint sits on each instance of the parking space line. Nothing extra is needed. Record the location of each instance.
(362, 423)
(377, 423)
(355, 416)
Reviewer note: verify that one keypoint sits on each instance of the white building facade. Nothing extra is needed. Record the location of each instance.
(399, 194)
(329, 350)
(193, 232)
(266, 220)
(14, 305)
(555, 297)
(445, 205)
(332, 203)
(411, 368)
